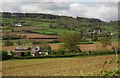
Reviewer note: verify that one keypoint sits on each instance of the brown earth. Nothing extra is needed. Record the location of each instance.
(85, 66)
(83, 47)
(32, 35)
(28, 28)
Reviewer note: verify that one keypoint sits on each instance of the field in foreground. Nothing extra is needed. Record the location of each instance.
(85, 66)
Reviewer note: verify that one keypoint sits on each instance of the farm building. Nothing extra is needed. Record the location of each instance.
(97, 31)
(35, 51)
(18, 25)
(20, 51)
(38, 51)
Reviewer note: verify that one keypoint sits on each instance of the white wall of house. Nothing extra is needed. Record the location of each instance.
(18, 25)
(33, 54)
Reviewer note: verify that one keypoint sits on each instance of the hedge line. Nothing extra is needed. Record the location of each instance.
(66, 56)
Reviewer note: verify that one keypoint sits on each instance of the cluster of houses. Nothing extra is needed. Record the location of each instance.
(18, 25)
(20, 51)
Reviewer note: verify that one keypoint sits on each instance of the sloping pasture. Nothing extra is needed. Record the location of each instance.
(85, 66)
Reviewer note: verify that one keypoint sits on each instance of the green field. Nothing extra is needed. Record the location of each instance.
(55, 31)
(110, 29)
(40, 24)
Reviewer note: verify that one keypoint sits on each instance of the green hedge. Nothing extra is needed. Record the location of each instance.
(67, 56)
(5, 55)
(49, 56)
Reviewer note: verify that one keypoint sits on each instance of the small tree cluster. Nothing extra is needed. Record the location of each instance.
(58, 52)
(28, 53)
(105, 41)
(71, 41)
(5, 55)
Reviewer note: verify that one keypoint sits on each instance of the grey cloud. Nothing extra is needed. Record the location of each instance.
(105, 11)
(11, 7)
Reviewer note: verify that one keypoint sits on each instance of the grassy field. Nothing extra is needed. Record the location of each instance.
(110, 29)
(41, 24)
(54, 31)
(84, 66)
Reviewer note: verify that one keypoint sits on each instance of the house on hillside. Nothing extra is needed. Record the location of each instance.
(36, 51)
(18, 25)
(20, 51)
(97, 31)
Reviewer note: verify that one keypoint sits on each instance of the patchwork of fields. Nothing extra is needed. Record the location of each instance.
(85, 66)
(83, 47)
(49, 31)
(32, 35)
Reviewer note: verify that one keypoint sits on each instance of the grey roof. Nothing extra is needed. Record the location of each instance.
(44, 50)
(22, 48)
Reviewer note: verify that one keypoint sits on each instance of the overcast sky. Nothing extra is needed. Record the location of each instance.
(101, 9)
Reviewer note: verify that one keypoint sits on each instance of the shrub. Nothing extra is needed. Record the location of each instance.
(95, 39)
(27, 53)
(5, 55)
(60, 52)
(53, 52)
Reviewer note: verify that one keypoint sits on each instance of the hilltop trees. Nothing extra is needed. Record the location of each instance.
(71, 41)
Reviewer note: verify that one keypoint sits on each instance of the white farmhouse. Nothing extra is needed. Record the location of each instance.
(18, 25)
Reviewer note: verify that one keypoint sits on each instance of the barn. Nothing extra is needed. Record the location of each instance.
(36, 51)
(20, 51)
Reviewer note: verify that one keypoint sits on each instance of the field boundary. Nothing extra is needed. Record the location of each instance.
(67, 56)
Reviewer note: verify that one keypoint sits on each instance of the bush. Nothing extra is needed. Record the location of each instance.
(60, 52)
(27, 53)
(95, 39)
(52, 52)
(5, 55)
